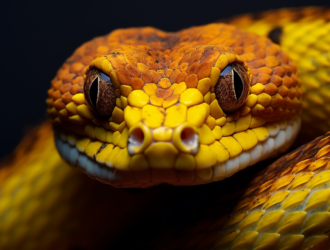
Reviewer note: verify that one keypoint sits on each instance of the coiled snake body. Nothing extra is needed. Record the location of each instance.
(140, 107)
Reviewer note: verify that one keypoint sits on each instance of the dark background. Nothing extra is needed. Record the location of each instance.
(37, 36)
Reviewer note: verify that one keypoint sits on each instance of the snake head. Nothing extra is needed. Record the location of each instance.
(183, 108)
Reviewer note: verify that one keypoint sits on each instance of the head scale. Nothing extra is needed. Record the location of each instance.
(184, 108)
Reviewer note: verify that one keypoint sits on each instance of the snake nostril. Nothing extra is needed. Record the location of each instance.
(188, 137)
(139, 138)
(136, 137)
(185, 138)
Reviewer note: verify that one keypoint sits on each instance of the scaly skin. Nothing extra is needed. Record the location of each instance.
(285, 206)
(47, 205)
(304, 33)
(30, 220)
(162, 80)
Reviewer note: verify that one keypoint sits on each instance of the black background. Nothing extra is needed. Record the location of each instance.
(37, 36)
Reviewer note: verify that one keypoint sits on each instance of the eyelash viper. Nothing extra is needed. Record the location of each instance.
(158, 82)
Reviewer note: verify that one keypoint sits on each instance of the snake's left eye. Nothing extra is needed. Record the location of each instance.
(99, 93)
(232, 89)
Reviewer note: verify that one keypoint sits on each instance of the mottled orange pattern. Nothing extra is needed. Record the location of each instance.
(147, 55)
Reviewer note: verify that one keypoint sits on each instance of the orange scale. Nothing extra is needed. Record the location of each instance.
(65, 88)
(277, 80)
(132, 70)
(282, 182)
(75, 67)
(57, 84)
(131, 60)
(68, 77)
(259, 54)
(210, 56)
(59, 104)
(194, 58)
(76, 89)
(56, 94)
(203, 70)
(174, 65)
(117, 61)
(67, 97)
(263, 78)
(141, 58)
(271, 89)
(249, 48)
(319, 163)
(248, 57)
(161, 73)
(182, 77)
(78, 80)
(287, 81)
(164, 83)
(184, 66)
(175, 75)
(324, 142)
(283, 91)
(162, 93)
(184, 59)
(137, 83)
(272, 50)
(283, 58)
(265, 70)
(254, 72)
(323, 152)
(257, 63)
(292, 93)
(288, 69)
(192, 81)
(168, 73)
(272, 61)
(192, 68)
(229, 42)
(147, 78)
(124, 77)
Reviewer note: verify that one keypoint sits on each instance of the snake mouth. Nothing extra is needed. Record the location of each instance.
(163, 162)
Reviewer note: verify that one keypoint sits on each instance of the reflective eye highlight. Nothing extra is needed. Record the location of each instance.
(94, 91)
(99, 93)
(232, 88)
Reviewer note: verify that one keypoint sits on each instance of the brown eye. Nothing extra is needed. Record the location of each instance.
(233, 87)
(99, 93)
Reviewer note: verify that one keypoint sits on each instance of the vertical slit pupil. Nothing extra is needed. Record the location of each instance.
(93, 91)
(238, 85)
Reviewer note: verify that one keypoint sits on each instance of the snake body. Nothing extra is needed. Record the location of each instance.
(170, 122)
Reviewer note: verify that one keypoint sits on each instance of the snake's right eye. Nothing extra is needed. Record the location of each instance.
(99, 93)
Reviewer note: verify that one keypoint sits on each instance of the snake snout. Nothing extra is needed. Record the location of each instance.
(184, 137)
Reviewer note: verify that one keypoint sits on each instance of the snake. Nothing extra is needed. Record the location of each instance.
(141, 107)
